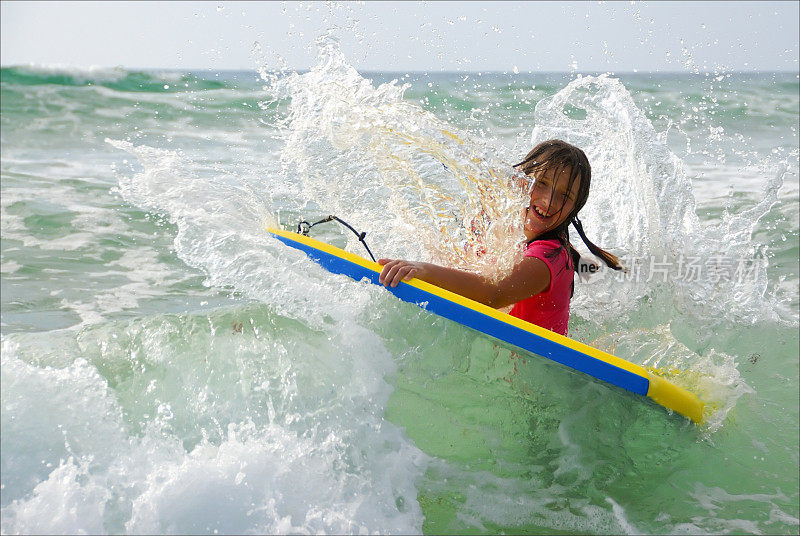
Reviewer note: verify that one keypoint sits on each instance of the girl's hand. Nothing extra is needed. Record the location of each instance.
(521, 181)
(396, 270)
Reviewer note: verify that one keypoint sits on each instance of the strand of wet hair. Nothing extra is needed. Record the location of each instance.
(612, 261)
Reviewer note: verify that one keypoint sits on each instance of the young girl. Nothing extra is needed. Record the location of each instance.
(540, 286)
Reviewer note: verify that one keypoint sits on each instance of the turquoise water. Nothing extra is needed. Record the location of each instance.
(168, 368)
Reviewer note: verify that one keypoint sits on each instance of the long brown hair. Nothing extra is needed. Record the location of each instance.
(560, 156)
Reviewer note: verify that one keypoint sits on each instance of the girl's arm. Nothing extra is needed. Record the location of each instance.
(530, 276)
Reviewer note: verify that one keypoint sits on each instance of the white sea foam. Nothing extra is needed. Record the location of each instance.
(715, 500)
(297, 446)
(10, 267)
(79, 73)
(148, 279)
(619, 514)
(529, 502)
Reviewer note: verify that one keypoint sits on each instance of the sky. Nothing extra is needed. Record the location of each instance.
(406, 36)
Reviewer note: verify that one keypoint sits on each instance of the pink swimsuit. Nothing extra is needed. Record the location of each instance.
(550, 308)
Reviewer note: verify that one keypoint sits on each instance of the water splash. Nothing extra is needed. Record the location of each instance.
(423, 188)
(642, 207)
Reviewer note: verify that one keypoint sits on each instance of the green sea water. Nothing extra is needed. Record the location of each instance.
(169, 368)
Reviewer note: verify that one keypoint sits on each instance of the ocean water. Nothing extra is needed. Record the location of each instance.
(169, 368)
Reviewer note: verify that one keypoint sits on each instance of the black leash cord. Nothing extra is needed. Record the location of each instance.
(304, 227)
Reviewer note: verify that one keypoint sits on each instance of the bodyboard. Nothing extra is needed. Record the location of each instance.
(502, 326)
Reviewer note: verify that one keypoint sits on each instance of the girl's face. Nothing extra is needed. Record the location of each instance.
(551, 201)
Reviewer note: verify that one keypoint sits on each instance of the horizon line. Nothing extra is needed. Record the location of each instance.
(395, 71)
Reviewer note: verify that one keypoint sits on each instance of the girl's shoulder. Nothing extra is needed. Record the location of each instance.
(547, 244)
(552, 251)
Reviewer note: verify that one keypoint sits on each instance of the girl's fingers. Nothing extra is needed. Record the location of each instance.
(395, 271)
(388, 273)
(389, 269)
(382, 276)
(387, 264)
(410, 273)
(401, 272)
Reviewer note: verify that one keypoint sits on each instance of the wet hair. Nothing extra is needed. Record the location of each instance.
(560, 156)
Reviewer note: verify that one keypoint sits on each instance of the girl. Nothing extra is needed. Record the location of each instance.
(541, 285)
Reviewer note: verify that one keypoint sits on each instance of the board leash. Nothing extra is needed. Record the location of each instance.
(304, 227)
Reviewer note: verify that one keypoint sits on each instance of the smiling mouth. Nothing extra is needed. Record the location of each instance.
(537, 212)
